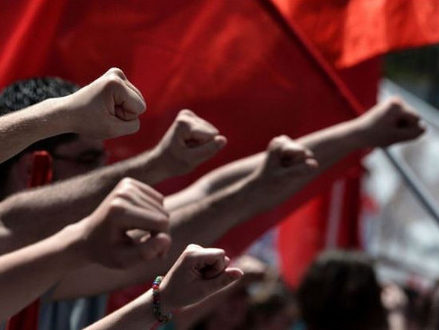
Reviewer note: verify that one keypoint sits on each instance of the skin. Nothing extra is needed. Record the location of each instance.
(109, 107)
(188, 142)
(98, 239)
(201, 214)
(197, 274)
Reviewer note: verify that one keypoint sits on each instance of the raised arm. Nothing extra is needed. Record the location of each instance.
(189, 141)
(386, 123)
(277, 174)
(100, 238)
(107, 108)
(197, 274)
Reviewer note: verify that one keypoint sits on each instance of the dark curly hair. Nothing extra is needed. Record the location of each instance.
(24, 93)
(340, 291)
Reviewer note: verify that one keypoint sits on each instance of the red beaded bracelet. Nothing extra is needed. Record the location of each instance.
(156, 308)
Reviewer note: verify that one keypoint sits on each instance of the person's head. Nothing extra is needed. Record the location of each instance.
(72, 154)
(273, 307)
(340, 291)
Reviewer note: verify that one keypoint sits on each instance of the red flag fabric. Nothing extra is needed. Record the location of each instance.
(251, 69)
(240, 64)
(329, 221)
(41, 174)
(349, 32)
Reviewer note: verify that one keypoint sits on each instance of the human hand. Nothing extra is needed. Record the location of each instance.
(197, 273)
(388, 123)
(284, 159)
(106, 108)
(131, 205)
(189, 142)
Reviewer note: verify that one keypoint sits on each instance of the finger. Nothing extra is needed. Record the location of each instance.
(290, 156)
(410, 134)
(212, 270)
(190, 125)
(408, 120)
(209, 149)
(136, 195)
(224, 279)
(134, 217)
(307, 167)
(149, 191)
(154, 246)
(122, 127)
(135, 90)
(209, 262)
(128, 104)
(120, 74)
(116, 72)
(128, 186)
(145, 202)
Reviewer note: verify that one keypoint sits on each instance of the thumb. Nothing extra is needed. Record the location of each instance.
(209, 149)
(228, 276)
(128, 104)
(120, 127)
(155, 246)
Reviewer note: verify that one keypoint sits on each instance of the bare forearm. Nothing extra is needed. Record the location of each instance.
(27, 273)
(202, 223)
(207, 218)
(20, 129)
(33, 215)
(328, 145)
(135, 315)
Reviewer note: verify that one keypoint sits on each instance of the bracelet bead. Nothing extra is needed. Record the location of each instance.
(156, 308)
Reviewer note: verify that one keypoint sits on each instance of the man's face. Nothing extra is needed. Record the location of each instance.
(77, 157)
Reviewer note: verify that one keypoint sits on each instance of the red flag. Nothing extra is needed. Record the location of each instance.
(239, 64)
(349, 32)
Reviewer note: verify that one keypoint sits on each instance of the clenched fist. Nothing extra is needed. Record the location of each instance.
(197, 273)
(390, 122)
(107, 108)
(132, 205)
(285, 159)
(189, 142)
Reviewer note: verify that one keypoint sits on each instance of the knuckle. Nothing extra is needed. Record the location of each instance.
(184, 121)
(127, 182)
(113, 82)
(117, 72)
(186, 112)
(117, 205)
(193, 247)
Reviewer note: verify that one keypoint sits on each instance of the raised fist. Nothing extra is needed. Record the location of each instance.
(108, 107)
(197, 273)
(131, 205)
(286, 158)
(390, 122)
(189, 142)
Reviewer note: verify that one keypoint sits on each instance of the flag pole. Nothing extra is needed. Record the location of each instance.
(417, 188)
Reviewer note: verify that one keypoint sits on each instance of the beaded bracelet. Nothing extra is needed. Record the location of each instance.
(156, 308)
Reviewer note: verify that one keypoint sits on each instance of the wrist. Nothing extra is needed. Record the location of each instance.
(167, 302)
(154, 166)
(59, 116)
(71, 238)
(360, 137)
